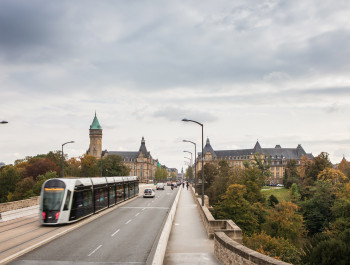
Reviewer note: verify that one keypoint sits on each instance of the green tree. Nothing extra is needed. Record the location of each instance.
(234, 206)
(40, 181)
(161, 174)
(220, 183)
(112, 165)
(291, 174)
(189, 174)
(324, 250)
(9, 176)
(210, 171)
(23, 189)
(273, 200)
(317, 210)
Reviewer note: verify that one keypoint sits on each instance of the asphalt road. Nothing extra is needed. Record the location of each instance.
(126, 235)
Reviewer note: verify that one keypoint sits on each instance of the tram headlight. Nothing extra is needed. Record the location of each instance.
(57, 215)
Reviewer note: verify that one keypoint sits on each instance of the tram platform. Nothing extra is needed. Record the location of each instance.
(188, 241)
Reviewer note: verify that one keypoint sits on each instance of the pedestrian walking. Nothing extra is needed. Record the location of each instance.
(187, 185)
(183, 184)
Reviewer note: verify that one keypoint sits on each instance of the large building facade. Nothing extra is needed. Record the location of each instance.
(277, 158)
(140, 162)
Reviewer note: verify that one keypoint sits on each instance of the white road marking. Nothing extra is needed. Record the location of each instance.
(137, 214)
(128, 221)
(115, 232)
(143, 209)
(94, 250)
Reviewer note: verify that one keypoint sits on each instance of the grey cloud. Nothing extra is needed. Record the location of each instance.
(177, 114)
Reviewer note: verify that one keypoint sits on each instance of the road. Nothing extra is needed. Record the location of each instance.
(126, 235)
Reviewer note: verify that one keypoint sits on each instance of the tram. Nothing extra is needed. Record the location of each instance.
(67, 200)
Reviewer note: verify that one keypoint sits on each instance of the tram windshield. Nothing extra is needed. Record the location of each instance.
(52, 200)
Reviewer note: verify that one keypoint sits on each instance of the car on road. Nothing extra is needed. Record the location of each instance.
(160, 186)
(279, 185)
(149, 193)
(174, 184)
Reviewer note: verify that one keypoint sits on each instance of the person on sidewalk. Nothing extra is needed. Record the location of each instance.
(183, 184)
(187, 185)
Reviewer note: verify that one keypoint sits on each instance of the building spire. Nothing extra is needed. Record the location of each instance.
(95, 124)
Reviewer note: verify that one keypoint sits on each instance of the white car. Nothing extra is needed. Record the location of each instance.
(149, 193)
(160, 186)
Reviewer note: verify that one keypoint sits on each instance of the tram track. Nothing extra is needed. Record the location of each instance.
(19, 224)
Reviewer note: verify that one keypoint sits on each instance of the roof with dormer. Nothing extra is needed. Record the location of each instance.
(131, 154)
(95, 124)
(274, 153)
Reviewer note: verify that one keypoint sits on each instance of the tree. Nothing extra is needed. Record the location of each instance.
(189, 173)
(9, 176)
(220, 183)
(276, 247)
(317, 210)
(333, 175)
(23, 189)
(112, 165)
(89, 166)
(285, 221)
(210, 171)
(273, 200)
(344, 166)
(295, 192)
(73, 167)
(291, 174)
(39, 166)
(40, 181)
(324, 250)
(234, 206)
(161, 174)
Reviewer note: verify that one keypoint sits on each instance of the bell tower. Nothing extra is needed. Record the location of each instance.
(95, 148)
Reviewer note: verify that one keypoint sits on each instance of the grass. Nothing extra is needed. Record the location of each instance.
(281, 194)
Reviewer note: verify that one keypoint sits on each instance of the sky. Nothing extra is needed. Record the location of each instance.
(275, 71)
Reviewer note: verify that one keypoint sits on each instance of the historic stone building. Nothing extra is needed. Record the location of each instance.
(95, 148)
(140, 162)
(277, 156)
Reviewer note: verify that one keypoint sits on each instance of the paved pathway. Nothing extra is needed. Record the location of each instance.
(188, 242)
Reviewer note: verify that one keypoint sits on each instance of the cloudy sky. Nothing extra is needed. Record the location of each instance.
(272, 70)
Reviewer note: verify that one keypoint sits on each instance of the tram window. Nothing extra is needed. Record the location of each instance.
(66, 204)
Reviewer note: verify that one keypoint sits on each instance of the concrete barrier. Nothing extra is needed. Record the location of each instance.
(158, 257)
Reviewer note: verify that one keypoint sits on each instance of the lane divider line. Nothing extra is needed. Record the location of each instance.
(128, 221)
(115, 232)
(137, 214)
(94, 250)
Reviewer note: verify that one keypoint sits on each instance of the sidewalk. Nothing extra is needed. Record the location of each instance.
(188, 242)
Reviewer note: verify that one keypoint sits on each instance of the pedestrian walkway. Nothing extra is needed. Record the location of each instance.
(188, 242)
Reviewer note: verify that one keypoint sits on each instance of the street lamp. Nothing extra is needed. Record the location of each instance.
(63, 157)
(3, 122)
(191, 157)
(195, 162)
(187, 120)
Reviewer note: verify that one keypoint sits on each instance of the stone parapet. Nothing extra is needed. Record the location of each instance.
(15, 205)
(229, 251)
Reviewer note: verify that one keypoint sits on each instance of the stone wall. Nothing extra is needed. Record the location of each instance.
(228, 238)
(9, 206)
(229, 251)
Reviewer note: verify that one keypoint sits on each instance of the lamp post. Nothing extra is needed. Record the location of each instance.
(3, 122)
(187, 120)
(195, 162)
(191, 158)
(63, 157)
